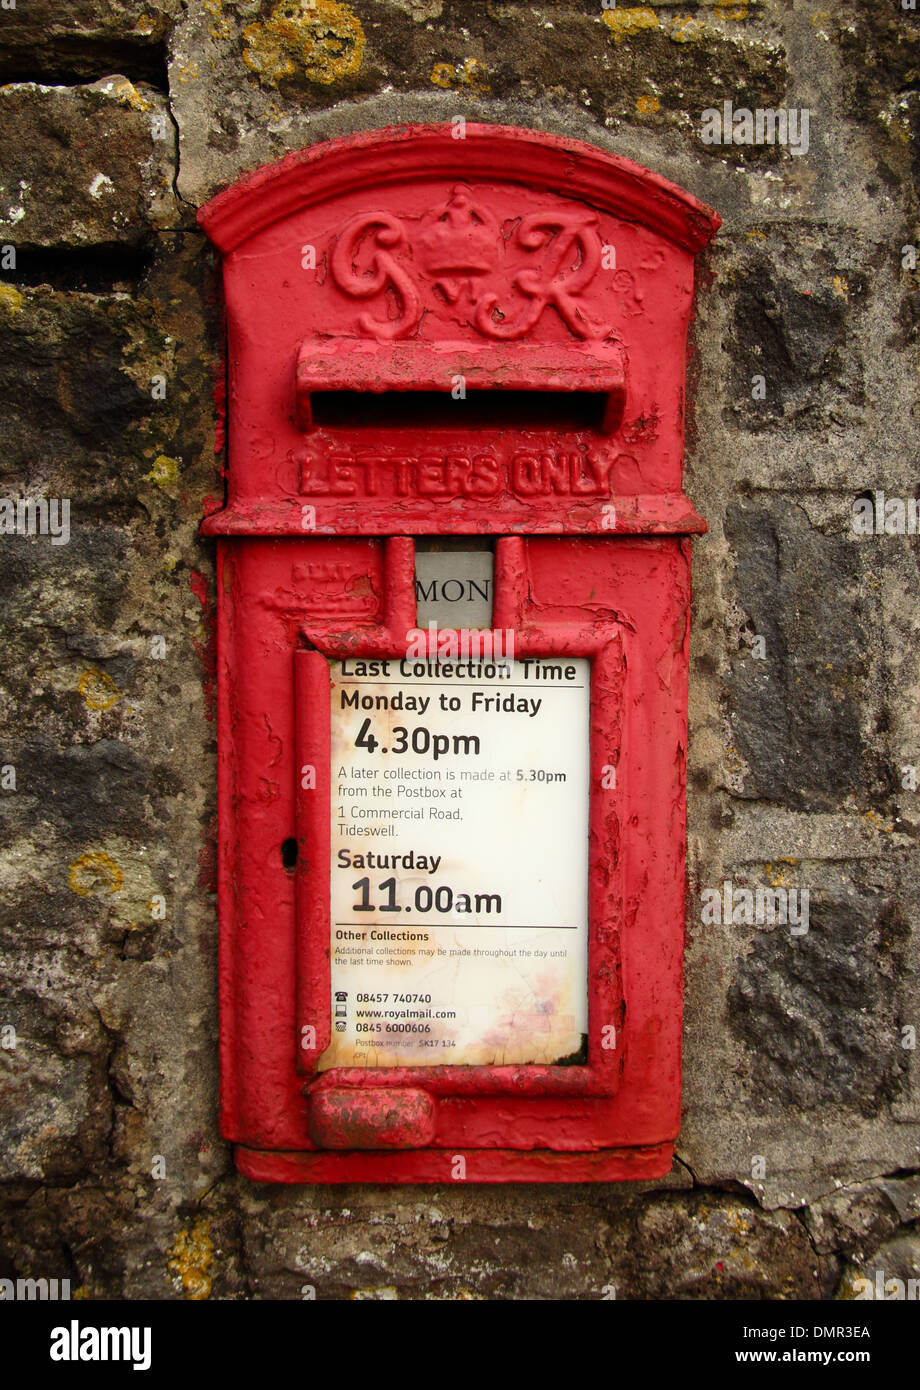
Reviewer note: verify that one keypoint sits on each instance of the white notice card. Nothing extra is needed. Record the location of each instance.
(459, 861)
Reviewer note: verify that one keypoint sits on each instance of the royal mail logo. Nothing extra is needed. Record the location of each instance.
(458, 251)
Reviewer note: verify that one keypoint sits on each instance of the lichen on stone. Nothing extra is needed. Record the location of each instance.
(98, 689)
(469, 74)
(324, 39)
(191, 1261)
(10, 298)
(93, 871)
(625, 23)
(165, 470)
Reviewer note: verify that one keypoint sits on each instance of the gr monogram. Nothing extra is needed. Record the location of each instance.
(501, 283)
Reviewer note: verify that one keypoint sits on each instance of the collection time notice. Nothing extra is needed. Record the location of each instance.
(459, 861)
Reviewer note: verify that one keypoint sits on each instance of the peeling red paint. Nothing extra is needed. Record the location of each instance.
(445, 1166)
(207, 859)
(220, 407)
(346, 1118)
(206, 650)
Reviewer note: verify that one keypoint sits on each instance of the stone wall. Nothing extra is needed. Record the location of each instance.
(799, 1160)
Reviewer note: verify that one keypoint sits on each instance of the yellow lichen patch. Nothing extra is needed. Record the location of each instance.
(164, 471)
(144, 24)
(734, 763)
(874, 819)
(10, 298)
(93, 873)
(821, 17)
(128, 95)
(756, 235)
(214, 6)
(469, 73)
(738, 13)
(741, 1222)
(188, 72)
(625, 23)
(191, 1260)
(98, 689)
(648, 106)
(323, 37)
(776, 877)
(686, 29)
(681, 28)
(840, 287)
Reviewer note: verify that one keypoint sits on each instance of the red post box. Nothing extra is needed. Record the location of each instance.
(452, 857)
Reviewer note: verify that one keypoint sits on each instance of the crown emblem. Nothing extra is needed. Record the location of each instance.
(457, 244)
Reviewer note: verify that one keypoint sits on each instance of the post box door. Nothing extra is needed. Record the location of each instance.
(494, 754)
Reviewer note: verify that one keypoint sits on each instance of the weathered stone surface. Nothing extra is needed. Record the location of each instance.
(796, 336)
(714, 1246)
(84, 39)
(818, 1012)
(759, 833)
(84, 165)
(797, 708)
(891, 1274)
(66, 360)
(120, 382)
(880, 48)
(580, 1244)
(102, 819)
(267, 73)
(855, 1220)
(56, 1110)
(119, 1242)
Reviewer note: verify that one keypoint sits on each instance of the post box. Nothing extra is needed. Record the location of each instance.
(451, 859)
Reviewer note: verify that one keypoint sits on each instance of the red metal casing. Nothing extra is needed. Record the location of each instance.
(404, 260)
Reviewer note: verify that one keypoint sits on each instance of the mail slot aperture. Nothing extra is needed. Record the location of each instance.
(557, 410)
(533, 388)
(454, 579)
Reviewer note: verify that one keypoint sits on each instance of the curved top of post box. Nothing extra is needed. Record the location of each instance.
(509, 154)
